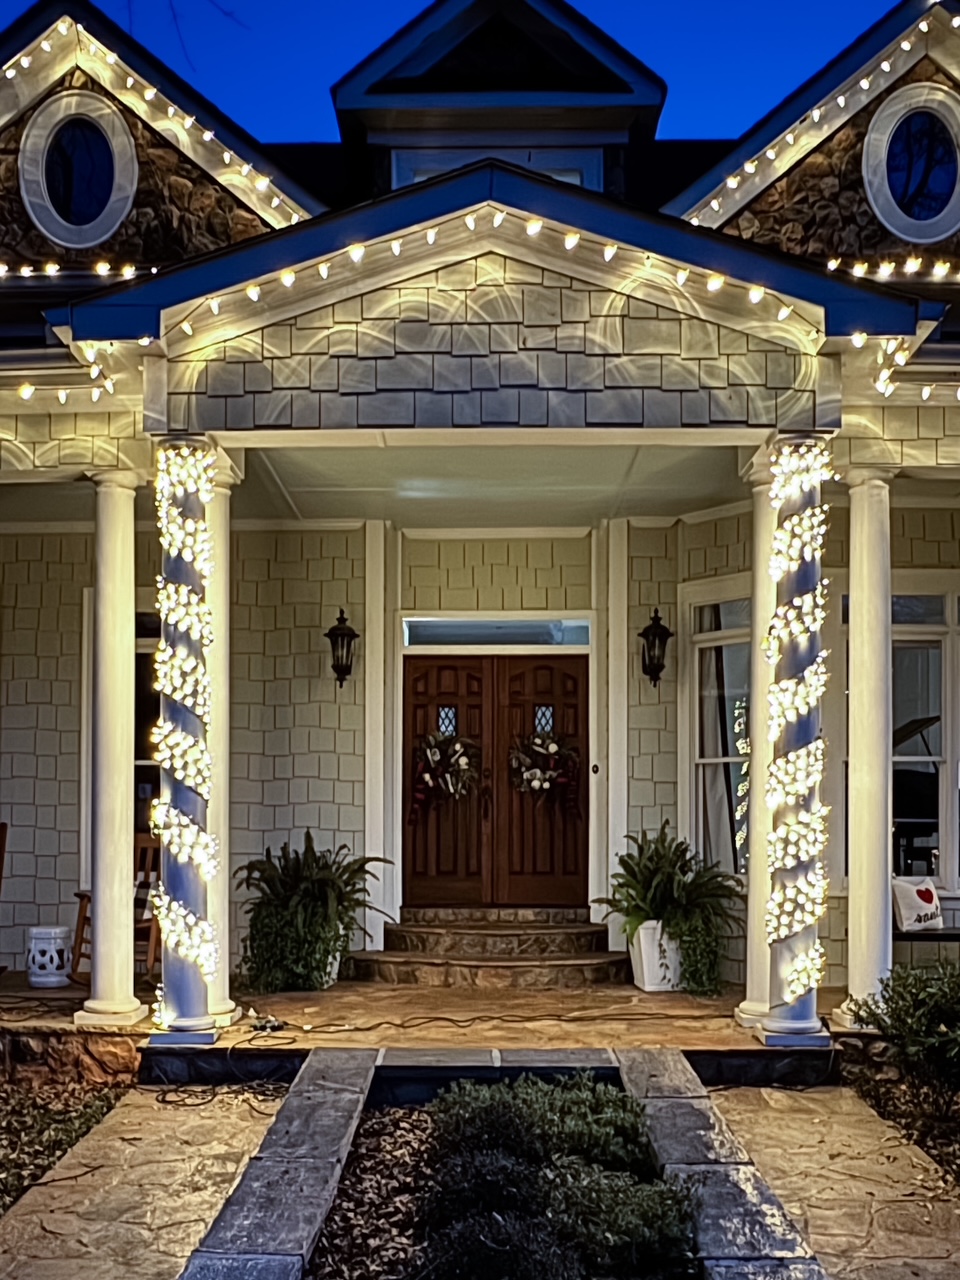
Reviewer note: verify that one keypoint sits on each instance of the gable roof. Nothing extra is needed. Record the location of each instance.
(549, 60)
(53, 36)
(814, 111)
(135, 311)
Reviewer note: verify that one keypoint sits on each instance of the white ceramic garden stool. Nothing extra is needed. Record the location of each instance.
(48, 955)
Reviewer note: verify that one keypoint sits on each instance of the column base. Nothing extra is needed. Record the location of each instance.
(175, 1039)
(228, 1017)
(750, 1013)
(844, 1016)
(94, 1014)
(793, 1039)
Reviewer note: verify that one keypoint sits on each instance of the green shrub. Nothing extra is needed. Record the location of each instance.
(484, 1181)
(663, 879)
(306, 907)
(537, 1120)
(917, 1011)
(494, 1246)
(622, 1227)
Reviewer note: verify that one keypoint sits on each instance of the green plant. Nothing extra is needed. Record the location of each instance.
(305, 908)
(917, 1012)
(499, 1246)
(661, 878)
(537, 1120)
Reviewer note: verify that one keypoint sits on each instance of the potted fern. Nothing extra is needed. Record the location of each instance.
(303, 912)
(677, 910)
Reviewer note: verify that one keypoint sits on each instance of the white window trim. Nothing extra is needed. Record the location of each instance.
(733, 586)
(416, 164)
(940, 101)
(32, 164)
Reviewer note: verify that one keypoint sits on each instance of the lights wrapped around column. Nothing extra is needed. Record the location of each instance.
(184, 485)
(795, 847)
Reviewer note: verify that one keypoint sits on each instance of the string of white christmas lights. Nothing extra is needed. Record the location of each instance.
(184, 485)
(798, 893)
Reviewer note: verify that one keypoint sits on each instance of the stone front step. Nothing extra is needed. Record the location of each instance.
(490, 973)
(520, 941)
(494, 915)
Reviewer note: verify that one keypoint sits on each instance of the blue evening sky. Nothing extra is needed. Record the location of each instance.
(726, 62)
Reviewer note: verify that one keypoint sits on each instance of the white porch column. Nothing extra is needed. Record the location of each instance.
(870, 736)
(111, 999)
(382, 890)
(218, 738)
(756, 1002)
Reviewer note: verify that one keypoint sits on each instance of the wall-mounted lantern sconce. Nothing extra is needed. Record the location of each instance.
(654, 637)
(342, 638)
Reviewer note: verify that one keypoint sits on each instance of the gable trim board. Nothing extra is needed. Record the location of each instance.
(731, 187)
(44, 44)
(136, 310)
(368, 93)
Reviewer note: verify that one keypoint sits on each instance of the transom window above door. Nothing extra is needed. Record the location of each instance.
(483, 632)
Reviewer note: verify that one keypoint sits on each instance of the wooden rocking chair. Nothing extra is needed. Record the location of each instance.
(146, 930)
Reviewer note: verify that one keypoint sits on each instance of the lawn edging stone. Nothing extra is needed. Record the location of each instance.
(743, 1230)
(272, 1219)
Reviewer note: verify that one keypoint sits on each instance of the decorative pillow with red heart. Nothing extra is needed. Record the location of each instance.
(916, 905)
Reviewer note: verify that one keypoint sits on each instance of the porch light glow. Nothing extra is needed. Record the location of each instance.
(534, 226)
(859, 269)
(715, 283)
(798, 891)
(184, 487)
(833, 264)
(288, 279)
(356, 252)
(609, 252)
(756, 293)
(571, 240)
(941, 269)
(253, 292)
(102, 268)
(859, 339)
(26, 391)
(912, 265)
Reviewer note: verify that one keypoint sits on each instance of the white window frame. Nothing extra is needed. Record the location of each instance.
(905, 582)
(690, 596)
(580, 166)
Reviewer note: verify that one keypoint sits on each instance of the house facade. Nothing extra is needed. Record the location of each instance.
(498, 376)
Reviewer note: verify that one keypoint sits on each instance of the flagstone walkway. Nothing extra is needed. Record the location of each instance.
(131, 1200)
(871, 1206)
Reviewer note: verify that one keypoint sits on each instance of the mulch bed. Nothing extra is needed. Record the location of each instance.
(370, 1230)
(868, 1069)
(39, 1124)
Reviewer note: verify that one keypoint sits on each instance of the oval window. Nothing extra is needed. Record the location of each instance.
(922, 165)
(79, 171)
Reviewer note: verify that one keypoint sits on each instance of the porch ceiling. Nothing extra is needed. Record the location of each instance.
(475, 487)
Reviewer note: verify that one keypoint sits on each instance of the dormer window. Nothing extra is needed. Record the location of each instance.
(911, 163)
(78, 169)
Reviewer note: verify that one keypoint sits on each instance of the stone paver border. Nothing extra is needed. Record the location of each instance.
(270, 1224)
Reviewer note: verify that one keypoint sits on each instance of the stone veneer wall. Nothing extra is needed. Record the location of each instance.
(496, 573)
(297, 739)
(41, 594)
(490, 341)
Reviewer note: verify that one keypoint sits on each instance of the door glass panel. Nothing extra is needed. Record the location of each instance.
(543, 719)
(447, 720)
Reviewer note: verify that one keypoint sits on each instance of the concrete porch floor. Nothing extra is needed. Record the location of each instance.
(353, 1014)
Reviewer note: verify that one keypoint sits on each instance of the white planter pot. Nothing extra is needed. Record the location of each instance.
(655, 958)
(48, 956)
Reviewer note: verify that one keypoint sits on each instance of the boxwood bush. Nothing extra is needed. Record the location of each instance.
(551, 1180)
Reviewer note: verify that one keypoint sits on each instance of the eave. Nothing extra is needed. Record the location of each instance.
(623, 245)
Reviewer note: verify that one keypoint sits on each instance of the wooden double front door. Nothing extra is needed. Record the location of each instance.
(496, 846)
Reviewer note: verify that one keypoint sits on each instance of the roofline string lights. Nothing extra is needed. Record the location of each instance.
(834, 110)
(798, 893)
(344, 263)
(184, 486)
(271, 203)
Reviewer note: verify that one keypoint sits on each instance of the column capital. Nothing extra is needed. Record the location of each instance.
(854, 476)
(117, 479)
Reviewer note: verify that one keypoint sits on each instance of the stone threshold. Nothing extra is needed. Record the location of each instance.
(269, 1226)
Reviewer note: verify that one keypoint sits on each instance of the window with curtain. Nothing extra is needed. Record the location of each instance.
(917, 755)
(722, 765)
